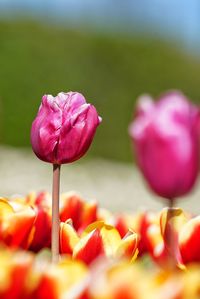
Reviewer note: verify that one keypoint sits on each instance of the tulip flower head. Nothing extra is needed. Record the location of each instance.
(165, 140)
(63, 128)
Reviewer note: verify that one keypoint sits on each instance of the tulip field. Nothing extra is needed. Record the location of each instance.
(102, 255)
(61, 246)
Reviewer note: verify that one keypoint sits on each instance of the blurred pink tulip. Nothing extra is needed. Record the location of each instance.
(64, 128)
(165, 140)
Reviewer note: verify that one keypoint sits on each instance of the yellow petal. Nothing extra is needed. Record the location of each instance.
(110, 236)
(175, 216)
(5, 208)
(67, 275)
(128, 245)
(68, 237)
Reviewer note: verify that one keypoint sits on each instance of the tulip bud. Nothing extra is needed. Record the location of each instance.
(165, 140)
(64, 128)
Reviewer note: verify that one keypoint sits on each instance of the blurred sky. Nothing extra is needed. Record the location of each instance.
(176, 19)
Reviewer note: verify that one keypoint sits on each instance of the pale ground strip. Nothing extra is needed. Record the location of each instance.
(116, 186)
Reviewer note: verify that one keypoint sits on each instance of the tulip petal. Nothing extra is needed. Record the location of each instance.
(89, 214)
(170, 222)
(57, 281)
(189, 240)
(45, 130)
(121, 225)
(110, 236)
(42, 230)
(16, 223)
(128, 246)
(89, 247)
(68, 238)
(72, 207)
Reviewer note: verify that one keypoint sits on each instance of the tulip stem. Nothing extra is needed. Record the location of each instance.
(170, 234)
(55, 214)
(171, 203)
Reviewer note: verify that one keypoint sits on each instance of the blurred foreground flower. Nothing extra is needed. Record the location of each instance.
(165, 138)
(27, 276)
(122, 280)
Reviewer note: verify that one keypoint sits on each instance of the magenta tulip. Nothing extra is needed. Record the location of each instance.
(165, 140)
(62, 133)
(64, 128)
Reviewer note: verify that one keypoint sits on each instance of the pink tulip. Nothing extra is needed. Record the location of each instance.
(64, 128)
(165, 139)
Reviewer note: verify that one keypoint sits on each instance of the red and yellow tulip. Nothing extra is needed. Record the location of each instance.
(84, 230)
(98, 239)
(16, 222)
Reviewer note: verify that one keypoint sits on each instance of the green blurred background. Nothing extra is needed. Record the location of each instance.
(110, 66)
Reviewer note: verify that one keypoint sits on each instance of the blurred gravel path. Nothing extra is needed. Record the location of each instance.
(114, 185)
